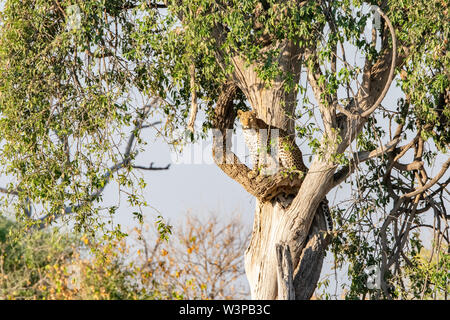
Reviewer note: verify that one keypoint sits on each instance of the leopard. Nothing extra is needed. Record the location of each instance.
(258, 136)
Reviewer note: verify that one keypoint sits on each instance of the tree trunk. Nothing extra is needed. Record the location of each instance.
(261, 257)
(288, 243)
(287, 213)
(287, 217)
(272, 104)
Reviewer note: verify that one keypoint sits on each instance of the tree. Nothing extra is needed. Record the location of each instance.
(203, 260)
(74, 125)
(66, 86)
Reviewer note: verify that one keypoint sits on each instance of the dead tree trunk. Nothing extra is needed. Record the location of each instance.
(287, 247)
(286, 208)
(272, 227)
(288, 244)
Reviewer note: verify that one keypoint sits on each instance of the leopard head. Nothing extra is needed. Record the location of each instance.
(247, 118)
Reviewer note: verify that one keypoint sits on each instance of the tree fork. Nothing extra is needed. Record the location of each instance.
(275, 220)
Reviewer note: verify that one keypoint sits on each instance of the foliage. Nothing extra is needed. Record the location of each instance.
(59, 265)
(425, 79)
(104, 276)
(368, 232)
(428, 274)
(24, 262)
(202, 261)
(63, 122)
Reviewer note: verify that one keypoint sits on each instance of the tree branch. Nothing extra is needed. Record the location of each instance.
(429, 184)
(377, 103)
(360, 157)
(376, 82)
(129, 6)
(151, 167)
(6, 191)
(262, 187)
(324, 100)
(126, 158)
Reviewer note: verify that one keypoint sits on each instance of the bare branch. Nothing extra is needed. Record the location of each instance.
(327, 109)
(361, 157)
(6, 191)
(429, 184)
(416, 165)
(129, 6)
(194, 104)
(377, 103)
(151, 167)
(151, 125)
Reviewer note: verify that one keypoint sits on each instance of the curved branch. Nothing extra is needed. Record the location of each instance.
(415, 165)
(424, 225)
(377, 103)
(264, 188)
(429, 184)
(361, 157)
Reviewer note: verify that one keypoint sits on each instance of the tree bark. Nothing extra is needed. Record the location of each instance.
(284, 219)
(285, 273)
(261, 262)
(272, 103)
(286, 216)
